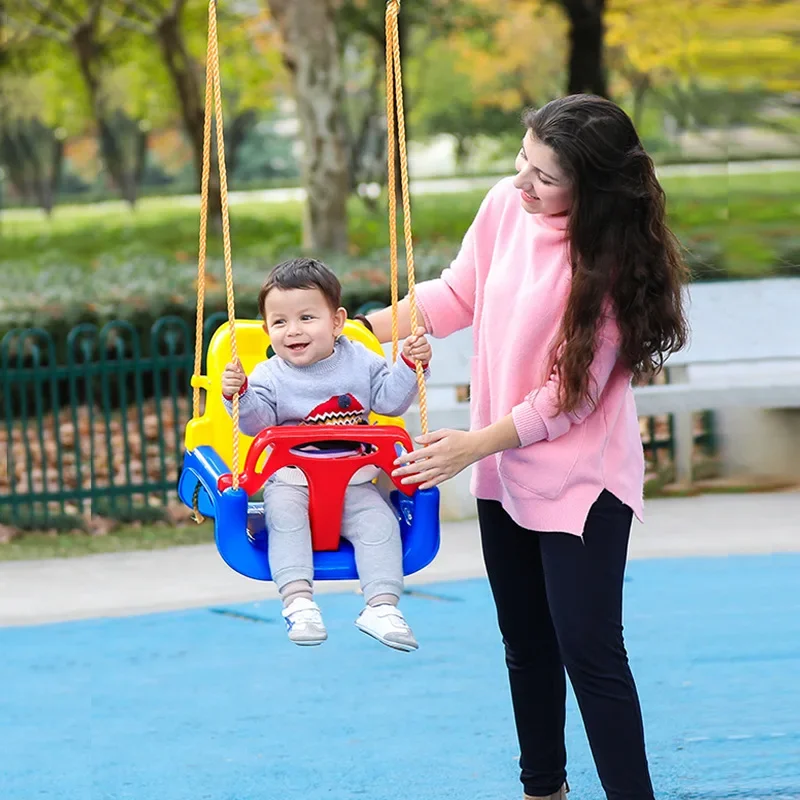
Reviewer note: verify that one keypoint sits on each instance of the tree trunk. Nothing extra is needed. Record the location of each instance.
(641, 85)
(34, 148)
(56, 152)
(184, 73)
(114, 159)
(86, 50)
(363, 156)
(378, 35)
(12, 154)
(587, 72)
(141, 142)
(462, 151)
(311, 53)
(238, 131)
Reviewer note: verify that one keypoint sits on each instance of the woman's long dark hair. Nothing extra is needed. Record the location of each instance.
(620, 247)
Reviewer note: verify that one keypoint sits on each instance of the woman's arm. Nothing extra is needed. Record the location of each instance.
(538, 416)
(446, 304)
(502, 435)
(381, 321)
(446, 452)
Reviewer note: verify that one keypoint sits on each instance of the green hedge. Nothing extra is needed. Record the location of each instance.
(94, 265)
(740, 221)
(142, 290)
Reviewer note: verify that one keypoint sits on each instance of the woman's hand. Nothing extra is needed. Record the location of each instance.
(417, 347)
(233, 378)
(447, 453)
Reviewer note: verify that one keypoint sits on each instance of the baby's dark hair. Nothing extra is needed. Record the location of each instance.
(302, 273)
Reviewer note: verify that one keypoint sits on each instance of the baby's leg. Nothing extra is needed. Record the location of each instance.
(371, 526)
(291, 560)
(290, 555)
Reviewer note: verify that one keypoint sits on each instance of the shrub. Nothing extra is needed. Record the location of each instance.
(141, 290)
(88, 266)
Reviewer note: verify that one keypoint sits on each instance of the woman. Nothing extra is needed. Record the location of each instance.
(571, 282)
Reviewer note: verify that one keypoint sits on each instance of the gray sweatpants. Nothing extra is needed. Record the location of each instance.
(368, 522)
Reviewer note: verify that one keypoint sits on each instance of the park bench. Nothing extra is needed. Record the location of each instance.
(742, 363)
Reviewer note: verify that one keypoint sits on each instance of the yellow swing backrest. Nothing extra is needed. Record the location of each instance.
(215, 427)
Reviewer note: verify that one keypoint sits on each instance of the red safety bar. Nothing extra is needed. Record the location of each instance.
(327, 477)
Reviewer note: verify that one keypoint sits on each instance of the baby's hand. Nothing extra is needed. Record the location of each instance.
(417, 347)
(233, 378)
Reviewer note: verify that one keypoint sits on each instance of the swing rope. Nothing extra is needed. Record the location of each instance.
(394, 104)
(395, 134)
(214, 97)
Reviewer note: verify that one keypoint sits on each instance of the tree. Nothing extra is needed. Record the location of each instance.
(310, 51)
(41, 104)
(361, 30)
(475, 81)
(502, 73)
(696, 53)
(130, 54)
(83, 29)
(362, 35)
(31, 151)
(724, 40)
(253, 76)
(179, 28)
(161, 22)
(587, 69)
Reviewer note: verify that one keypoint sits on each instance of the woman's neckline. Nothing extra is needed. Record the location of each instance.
(551, 221)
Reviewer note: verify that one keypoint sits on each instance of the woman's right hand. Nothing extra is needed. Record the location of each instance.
(233, 378)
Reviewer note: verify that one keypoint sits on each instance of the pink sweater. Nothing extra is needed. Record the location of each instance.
(510, 281)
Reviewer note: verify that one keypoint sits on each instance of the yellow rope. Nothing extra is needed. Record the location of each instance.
(203, 247)
(196, 515)
(394, 92)
(213, 84)
(391, 25)
(394, 104)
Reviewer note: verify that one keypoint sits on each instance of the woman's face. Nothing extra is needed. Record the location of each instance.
(543, 186)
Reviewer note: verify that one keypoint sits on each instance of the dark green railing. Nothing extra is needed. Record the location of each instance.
(93, 425)
(658, 437)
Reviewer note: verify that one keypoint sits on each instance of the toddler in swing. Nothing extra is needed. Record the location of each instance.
(318, 377)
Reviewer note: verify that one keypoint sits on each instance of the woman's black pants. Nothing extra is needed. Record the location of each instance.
(559, 605)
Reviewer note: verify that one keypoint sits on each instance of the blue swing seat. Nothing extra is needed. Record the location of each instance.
(239, 528)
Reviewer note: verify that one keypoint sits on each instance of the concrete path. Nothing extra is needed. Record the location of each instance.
(418, 187)
(121, 584)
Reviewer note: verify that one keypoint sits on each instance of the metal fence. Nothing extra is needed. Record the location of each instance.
(658, 441)
(93, 425)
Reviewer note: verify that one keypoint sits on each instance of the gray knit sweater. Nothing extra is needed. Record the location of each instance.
(339, 390)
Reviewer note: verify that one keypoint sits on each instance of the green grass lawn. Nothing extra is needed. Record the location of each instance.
(98, 263)
(31, 546)
(163, 227)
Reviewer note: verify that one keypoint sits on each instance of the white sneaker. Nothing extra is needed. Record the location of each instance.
(387, 624)
(304, 622)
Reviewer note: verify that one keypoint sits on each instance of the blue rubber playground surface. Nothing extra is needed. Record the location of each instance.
(216, 704)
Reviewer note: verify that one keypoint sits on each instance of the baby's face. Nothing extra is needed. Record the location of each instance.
(301, 325)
